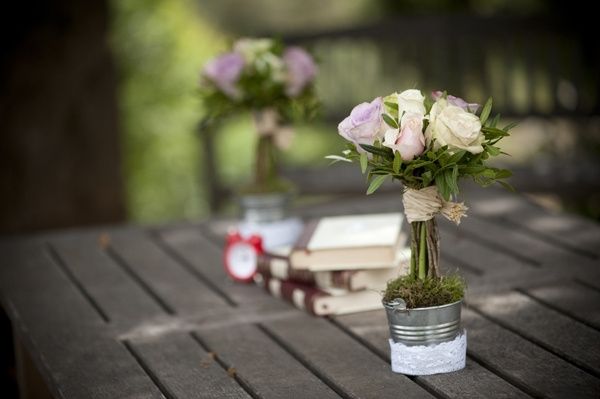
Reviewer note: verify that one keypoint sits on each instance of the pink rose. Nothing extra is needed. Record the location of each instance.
(301, 70)
(409, 140)
(456, 101)
(224, 72)
(364, 125)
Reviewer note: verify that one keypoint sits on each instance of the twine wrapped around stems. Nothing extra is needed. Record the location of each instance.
(267, 123)
(422, 205)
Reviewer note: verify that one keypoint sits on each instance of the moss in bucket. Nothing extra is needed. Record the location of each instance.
(425, 293)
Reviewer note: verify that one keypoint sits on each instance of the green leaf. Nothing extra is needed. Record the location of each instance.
(472, 170)
(506, 185)
(494, 151)
(503, 173)
(427, 177)
(455, 179)
(391, 105)
(450, 180)
(397, 162)
(495, 121)
(428, 103)
(485, 113)
(440, 182)
(510, 126)
(337, 158)
(383, 151)
(457, 156)
(390, 121)
(491, 173)
(376, 183)
(492, 132)
(364, 160)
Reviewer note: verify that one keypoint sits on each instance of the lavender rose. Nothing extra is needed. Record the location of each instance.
(301, 70)
(364, 125)
(224, 72)
(456, 101)
(409, 140)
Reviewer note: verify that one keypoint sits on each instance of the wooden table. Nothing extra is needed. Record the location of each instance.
(125, 312)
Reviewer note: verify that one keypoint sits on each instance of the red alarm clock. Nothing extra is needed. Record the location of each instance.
(241, 255)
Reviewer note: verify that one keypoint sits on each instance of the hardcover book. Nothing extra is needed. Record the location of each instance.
(322, 302)
(277, 265)
(349, 242)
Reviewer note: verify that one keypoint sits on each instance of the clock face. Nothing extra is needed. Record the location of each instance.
(241, 260)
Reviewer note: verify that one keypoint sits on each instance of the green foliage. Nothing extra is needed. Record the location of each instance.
(425, 293)
(390, 121)
(442, 167)
(260, 89)
(375, 183)
(159, 47)
(485, 113)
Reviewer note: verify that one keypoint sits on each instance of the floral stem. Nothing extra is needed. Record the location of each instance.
(423, 251)
(266, 168)
(413, 250)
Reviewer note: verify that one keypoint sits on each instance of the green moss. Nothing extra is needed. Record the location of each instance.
(424, 293)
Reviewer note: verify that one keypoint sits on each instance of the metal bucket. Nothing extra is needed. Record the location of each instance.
(423, 326)
(264, 208)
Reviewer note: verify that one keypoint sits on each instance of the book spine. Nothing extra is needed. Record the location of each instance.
(279, 267)
(343, 279)
(299, 295)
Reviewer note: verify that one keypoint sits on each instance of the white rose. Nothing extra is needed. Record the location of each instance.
(411, 101)
(453, 126)
(252, 48)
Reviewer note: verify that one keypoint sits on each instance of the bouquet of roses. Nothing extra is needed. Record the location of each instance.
(427, 144)
(258, 74)
(273, 82)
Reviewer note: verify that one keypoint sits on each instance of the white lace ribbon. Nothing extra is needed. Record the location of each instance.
(426, 360)
(424, 204)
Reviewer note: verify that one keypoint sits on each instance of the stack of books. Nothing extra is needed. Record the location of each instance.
(339, 264)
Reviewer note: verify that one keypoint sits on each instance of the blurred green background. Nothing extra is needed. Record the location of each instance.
(161, 45)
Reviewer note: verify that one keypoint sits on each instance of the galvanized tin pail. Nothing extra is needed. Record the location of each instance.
(423, 326)
(264, 208)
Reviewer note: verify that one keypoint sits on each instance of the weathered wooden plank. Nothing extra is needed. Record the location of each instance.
(463, 248)
(546, 326)
(30, 276)
(513, 240)
(572, 231)
(337, 357)
(206, 258)
(173, 286)
(572, 298)
(472, 382)
(262, 365)
(115, 292)
(525, 364)
(67, 339)
(183, 368)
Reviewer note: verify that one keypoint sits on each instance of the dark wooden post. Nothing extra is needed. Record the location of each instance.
(59, 147)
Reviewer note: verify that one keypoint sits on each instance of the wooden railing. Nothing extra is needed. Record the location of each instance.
(531, 66)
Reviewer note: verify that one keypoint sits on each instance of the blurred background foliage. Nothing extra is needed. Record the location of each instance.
(161, 45)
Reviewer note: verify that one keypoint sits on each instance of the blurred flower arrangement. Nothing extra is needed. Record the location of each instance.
(275, 84)
(427, 144)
